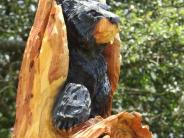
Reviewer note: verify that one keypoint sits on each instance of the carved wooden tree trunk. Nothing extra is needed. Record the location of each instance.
(44, 69)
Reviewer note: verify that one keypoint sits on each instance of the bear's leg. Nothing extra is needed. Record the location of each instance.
(72, 107)
(100, 102)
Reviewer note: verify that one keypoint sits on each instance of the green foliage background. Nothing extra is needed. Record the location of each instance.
(152, 70)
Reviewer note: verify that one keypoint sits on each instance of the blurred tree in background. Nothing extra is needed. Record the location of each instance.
(152, 71)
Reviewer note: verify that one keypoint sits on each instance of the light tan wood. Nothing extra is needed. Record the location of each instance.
(122, 125)
(112, 56)
(105, 31)
(44, 69)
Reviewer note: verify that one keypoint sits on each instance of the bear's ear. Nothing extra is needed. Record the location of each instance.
(44, 69)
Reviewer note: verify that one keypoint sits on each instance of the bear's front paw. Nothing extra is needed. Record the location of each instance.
(72, 106)
(64, 122)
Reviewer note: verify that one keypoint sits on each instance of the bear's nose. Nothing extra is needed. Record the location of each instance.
(114, 20)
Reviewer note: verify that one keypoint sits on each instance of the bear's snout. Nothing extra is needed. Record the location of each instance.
(105, 31)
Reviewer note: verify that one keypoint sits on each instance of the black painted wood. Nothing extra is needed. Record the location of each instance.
(87, 88)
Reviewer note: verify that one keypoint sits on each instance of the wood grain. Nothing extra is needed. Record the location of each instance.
(44, 69)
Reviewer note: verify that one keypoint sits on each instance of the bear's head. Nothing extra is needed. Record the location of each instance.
(89, 22)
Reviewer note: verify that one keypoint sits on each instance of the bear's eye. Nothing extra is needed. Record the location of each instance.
(92, 12)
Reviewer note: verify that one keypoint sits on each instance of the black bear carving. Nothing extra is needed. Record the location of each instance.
(90, 27)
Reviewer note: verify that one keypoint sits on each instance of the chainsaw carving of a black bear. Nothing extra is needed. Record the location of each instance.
(86, 90)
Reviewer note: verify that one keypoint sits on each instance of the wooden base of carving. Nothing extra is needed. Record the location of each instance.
(122, 125)
(44, 69)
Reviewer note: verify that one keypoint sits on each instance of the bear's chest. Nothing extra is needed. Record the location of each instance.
(87, 70)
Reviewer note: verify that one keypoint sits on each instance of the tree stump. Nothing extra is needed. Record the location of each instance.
(44, 70)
